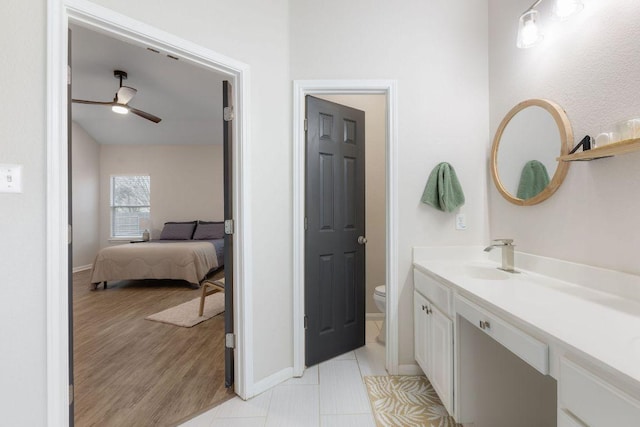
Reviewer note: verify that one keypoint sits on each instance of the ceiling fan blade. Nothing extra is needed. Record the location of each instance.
(83, 101)
(144, 115)
(125, 94)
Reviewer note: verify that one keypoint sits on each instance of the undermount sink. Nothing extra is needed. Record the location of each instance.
(485, 273)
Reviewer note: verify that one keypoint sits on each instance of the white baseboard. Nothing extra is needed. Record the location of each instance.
(82, 268)
(411, 369)
(374, 316)
(269, 382)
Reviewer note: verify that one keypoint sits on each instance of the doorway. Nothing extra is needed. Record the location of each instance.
(387, 88)
(61, 14)
(335, 228)
(125, 365)
(374, 106)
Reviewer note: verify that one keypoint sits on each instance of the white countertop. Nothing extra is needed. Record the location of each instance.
(603, 326)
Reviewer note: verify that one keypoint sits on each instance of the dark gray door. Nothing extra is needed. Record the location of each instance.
(227, 103)
(70, 247)
(334, 205)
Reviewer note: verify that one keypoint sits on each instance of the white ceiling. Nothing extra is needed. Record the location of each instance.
(186, 97)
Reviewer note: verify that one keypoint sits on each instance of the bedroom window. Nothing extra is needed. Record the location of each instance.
(130, 205)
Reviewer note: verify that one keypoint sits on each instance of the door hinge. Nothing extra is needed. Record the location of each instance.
(228, 226)
(306, 321)
(228, 114)
(71, 394)
(70, 235)
(306, 125)
(306, 223)
(68, 74)
(230, 341)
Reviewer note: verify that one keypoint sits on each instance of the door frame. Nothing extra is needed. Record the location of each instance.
(302, 88)
(82, 12)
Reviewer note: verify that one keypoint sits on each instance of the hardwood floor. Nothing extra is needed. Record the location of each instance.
(135, 372)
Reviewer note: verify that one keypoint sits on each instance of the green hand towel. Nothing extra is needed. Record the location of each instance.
(443, 190)
(533, 180)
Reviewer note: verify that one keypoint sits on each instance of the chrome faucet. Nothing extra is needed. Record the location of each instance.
(507, 253)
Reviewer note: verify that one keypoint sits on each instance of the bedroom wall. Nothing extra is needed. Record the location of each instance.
(186, 182)
(86, 189)
(437, 51)
(590, 66)
(374, 107)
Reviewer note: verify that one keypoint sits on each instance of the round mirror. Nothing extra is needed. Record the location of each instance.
(523, 157)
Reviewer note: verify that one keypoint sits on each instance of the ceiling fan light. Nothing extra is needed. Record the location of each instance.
(120, 109)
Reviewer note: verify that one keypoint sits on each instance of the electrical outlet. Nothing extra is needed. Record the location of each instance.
(461, 221)
(10, 178)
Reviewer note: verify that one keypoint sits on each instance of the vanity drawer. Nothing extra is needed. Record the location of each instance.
(529, 349)
(593, 401)
(436, 292)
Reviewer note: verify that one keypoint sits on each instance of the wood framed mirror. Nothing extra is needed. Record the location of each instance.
(525, 149)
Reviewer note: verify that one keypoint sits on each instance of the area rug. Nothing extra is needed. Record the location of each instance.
(186, 314)
(400, 401)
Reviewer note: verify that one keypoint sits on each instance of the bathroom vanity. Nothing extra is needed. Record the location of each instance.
(557, 343)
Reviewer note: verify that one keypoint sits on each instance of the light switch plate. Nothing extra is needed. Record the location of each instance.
(10, 178)
(461, 221)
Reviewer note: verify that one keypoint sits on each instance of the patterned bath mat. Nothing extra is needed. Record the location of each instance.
(400, 401)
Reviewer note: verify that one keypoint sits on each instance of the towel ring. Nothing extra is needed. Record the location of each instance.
(527, 131)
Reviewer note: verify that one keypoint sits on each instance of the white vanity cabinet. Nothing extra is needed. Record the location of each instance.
(528, 349)
(433, 335)
(587, 399)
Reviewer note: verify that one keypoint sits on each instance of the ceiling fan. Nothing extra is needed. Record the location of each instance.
(120, 103)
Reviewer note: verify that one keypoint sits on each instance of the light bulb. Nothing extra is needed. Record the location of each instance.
(120, 109)
(564, 9)
(528, 32)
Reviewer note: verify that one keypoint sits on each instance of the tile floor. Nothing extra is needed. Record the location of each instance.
(331, 394)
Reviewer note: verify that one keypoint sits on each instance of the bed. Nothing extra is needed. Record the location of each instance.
(173, 256)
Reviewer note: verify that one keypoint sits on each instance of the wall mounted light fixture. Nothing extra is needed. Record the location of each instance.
(528, 31)
(564, 9)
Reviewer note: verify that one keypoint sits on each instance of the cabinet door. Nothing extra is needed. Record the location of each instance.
(441, 357)
(421, 331)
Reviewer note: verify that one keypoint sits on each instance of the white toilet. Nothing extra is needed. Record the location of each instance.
(380, 297)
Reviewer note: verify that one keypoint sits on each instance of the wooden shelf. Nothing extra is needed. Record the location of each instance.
(620, 147)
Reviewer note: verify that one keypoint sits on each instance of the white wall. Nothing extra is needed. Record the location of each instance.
(186, 182)
(22, 251)
(85, 165)
(591, 67)
(437, 51)
(251, 31)
(375, 132)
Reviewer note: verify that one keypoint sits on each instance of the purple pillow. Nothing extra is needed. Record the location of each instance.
(209, 230)
(178, 230)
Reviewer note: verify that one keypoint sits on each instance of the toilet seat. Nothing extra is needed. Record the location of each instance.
(380, 291)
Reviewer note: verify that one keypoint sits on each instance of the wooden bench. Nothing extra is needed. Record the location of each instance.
(209, 287)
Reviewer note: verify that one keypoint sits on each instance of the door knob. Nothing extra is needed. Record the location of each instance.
(362, 240)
